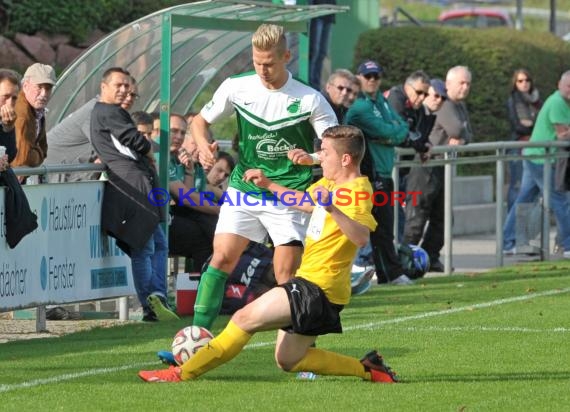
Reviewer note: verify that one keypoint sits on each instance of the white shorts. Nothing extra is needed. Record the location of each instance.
(255, 218)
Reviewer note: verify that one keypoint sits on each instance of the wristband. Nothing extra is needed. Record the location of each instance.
(315, 157)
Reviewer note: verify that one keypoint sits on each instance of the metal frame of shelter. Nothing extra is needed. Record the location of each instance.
(176, 53)
(239, 17)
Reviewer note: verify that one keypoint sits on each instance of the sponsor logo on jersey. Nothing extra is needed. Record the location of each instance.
(271, 149)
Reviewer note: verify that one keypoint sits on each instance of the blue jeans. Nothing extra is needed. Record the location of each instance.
(532, 185)
(364, 256)
(319, 39)
(515, 176)
(149, 267)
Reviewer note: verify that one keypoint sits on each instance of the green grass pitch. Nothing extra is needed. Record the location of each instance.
(498, 341)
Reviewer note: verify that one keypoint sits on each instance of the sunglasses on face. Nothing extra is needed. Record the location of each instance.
(372, 76)
(342, 88)
(420, 93)
(437, 96)
(523, 80)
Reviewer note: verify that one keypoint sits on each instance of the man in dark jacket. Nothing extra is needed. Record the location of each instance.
(383, 129)
(127, 213)
(407, 100)
(424, 222)
(337, 91)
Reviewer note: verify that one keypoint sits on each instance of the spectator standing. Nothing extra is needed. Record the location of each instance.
(407, 100)
(130, 213)
(552, 123)
(9, 88)
(276, 113)
(437, 94)
(70, 142)
(383, 129)
(353, 94)
(319, 41)
(452, 127)
(132, 94)
(31, 140)
(523, 105)
(337, 92)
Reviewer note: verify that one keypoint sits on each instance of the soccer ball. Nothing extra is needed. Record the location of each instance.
(188, 341)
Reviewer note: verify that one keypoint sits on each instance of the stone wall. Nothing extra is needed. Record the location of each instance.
(53, 49)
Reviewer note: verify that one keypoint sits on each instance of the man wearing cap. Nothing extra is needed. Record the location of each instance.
(436, 96)
(383, 129)
(452, 127)
(31, 141)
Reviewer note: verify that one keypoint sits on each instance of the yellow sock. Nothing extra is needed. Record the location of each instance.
(219, 350)
(323, 362)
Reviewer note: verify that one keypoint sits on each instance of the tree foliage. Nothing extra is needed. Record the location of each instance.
(76, 18)
(492, 55)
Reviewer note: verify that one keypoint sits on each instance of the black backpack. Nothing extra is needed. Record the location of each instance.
(252, 277)
(415, 266)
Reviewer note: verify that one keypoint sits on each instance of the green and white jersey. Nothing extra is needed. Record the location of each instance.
(270, 123)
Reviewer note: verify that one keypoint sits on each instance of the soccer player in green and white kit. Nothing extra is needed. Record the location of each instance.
(278, 118)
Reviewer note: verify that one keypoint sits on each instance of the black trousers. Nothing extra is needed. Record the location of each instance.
(388, 265)
(429, 210)
(191, 234)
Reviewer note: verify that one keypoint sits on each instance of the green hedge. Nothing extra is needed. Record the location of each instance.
(492, 55)
(76, 18)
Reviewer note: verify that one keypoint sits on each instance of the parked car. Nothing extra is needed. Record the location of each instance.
(476, 17)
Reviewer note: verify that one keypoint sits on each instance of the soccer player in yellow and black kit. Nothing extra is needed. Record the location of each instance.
(309, 304)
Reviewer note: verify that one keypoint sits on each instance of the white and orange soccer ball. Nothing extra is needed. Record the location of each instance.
(188, 341)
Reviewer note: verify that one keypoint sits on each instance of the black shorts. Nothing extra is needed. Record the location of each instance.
(311, 312)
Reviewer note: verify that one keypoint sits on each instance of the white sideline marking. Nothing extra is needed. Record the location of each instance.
(497, 302)
(513, 329)
(69, 376)
(371, 325)
(375, 325)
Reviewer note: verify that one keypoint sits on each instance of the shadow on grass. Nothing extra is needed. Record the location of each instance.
(493, 377)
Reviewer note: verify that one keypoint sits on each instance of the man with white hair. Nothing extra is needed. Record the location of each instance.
(452, 127)
(31, 141)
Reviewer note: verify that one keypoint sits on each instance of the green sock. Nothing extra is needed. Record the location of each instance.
(210, 295)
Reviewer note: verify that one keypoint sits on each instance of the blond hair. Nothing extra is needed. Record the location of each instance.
(268, 37)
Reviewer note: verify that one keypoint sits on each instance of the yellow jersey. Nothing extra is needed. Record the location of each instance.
(328, 255)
